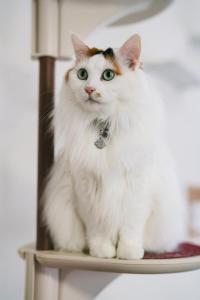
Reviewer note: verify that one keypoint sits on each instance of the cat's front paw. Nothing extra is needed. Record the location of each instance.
(102, 248)
(129, 250)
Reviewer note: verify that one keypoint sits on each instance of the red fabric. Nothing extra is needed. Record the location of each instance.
(183, 250)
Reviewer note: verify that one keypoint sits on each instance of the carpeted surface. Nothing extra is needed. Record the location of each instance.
(183, 250)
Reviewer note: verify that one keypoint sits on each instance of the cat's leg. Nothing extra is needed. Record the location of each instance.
(97, 212)
(135, 214)
(61, 218)
(101, 237)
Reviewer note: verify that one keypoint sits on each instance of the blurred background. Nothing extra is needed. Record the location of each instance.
(171, 41)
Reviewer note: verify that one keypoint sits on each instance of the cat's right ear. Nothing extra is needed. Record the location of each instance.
(80, 48)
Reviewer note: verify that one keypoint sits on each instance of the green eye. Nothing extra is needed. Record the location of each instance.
(82, 74)
(108, 74)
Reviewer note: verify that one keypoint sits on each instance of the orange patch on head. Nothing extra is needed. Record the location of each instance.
(94, 51)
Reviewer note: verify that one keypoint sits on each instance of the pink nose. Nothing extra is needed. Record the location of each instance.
(89, 90)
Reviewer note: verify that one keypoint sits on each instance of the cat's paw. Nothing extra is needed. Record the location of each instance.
(129, 250)
(102, 248)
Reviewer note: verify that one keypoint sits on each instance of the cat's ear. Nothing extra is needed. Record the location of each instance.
(80, 48)
(130, 51)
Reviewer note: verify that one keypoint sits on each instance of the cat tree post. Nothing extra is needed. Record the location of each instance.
(45, 141)
(42, 282)
(45, 40)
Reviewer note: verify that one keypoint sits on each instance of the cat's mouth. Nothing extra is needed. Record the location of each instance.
(91, 100)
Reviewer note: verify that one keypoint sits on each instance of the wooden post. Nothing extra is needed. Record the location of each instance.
(45, 141)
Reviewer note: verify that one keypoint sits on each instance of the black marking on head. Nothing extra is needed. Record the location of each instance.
(108, 52)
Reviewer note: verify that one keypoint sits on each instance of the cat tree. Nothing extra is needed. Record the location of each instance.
(48, 273)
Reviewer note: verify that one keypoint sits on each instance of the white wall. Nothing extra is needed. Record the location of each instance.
(18, 149)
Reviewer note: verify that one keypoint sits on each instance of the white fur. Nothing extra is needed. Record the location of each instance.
(122, 199)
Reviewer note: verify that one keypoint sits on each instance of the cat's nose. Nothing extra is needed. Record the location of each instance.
(89, 90)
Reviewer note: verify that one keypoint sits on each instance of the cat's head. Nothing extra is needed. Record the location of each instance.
(99, 78)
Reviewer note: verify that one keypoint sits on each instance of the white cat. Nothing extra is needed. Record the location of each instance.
(113, 188)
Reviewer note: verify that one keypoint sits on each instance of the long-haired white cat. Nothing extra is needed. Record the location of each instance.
(113, 188)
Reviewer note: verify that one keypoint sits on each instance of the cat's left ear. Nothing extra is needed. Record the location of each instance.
(130, 51)
(80, 48)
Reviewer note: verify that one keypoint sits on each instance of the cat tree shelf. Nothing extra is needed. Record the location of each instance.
(64, 260)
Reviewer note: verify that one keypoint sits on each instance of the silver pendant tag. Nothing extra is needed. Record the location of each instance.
(100, 143)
